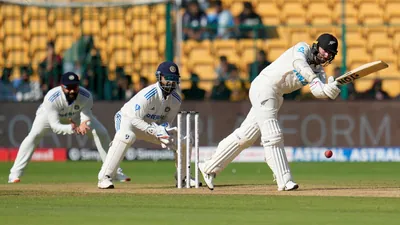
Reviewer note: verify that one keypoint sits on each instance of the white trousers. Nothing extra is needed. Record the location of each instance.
(41, 127)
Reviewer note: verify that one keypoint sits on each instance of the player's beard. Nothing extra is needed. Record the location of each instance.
(71, 96)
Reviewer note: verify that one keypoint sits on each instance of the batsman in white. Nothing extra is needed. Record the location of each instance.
(298, 66)
(146, 116)
(62, 108)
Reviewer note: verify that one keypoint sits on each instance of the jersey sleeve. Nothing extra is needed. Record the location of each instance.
(86, 113)
(300, 52)
(54, 119)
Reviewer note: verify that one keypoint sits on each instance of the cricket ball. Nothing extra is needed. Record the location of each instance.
(328, 153)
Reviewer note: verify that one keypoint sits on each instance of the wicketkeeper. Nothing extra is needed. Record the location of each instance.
(146, 116)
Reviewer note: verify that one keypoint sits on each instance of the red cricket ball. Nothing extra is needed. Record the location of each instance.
(328, 153)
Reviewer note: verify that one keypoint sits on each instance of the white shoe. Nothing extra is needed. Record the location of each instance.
(208, 178)
(105, 183)
(14, 180)
(290, 186)
(121, 177)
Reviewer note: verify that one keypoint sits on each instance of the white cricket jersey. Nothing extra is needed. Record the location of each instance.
(58, 111)
(285, 76)
(149, 105)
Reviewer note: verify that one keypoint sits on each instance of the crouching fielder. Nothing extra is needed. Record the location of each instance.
(296, 67)
(62, 107)
(145, 117)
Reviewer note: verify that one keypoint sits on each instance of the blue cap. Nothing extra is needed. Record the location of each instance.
(69, 78)
(168, 68)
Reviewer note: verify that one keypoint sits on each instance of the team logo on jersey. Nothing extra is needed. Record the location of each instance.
(76, 107)
(167, 109)
(137, 107)
(301, 49)
(172, 69)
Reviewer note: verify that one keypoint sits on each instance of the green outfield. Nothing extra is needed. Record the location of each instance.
(329, 194)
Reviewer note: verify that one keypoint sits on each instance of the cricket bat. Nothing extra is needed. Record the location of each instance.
(361, 71)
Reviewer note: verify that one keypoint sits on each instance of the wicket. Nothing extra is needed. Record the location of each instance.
(188, 147)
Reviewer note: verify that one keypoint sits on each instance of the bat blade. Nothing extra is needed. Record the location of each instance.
(361, 71)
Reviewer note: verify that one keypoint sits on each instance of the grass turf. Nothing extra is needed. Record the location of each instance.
(26, 203)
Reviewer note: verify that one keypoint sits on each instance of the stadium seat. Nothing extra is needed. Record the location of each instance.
(118, 42)
(116, 26)
(188, 45)
(64, 27)
(37, 43)
(300, 34)
(370, 13)
(355, 37)
(392, 87)
(140, 26)
(137, 12)
(161, 28)
(34, 13)
(62, 14)
(145, 41)
(293, 13)
(236, 8)
(38, 57)
(90, 27)
(11, 11)
(318, 13)
(62, 43)
(112, 13)
(12, 27)
(269, 12)
(88, 13)
(351, 14)
(17, 58)
(148, 56)
(357, 56)
(160, 10)
(392, 12)
(122, 57)
(376, 37)
(200, 55)
(15, 43)
(38, 27)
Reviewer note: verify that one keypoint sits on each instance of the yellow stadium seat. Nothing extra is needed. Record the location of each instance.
(116, 26)
(118, 42)
(245, 43)
(370, 13)
(161, 27)
(89, 13)
(11, 11)
(12, 27)
(292, 13)
(90, 27)
(187, 46)
(200, 56)
(15, 43)
(112, 13)
(376, 37)
(17, 58)
(351, 14)
(63, 27)
(355, 37)
(38, 27)
(224, 44)
(160, 10)
(62, 14)
(38, 57)
(37, 43)
(269, 12)
(139, 11)
(148, 56)
(122, 57)
(318, 13)
(62, 43)
(363, 84)
(357, 56)
(142, 26)
(236, 8)
(392, 87)
(149, 43)
(300, 34)
(392, 12)
(35, 13)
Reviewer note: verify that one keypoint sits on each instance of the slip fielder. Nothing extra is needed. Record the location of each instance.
(63, 107)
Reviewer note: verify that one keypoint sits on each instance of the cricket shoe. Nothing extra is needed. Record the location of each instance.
(289, 186)
(14, 180)
(105, 183)
(208, 178)
(121, 177)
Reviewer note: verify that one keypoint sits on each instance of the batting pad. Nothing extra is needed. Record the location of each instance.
(122, 141)
(275, 154)
(230, 147)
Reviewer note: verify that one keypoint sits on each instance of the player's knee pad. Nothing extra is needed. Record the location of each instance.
(122, 141)
(271, 134)
(232, 146)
